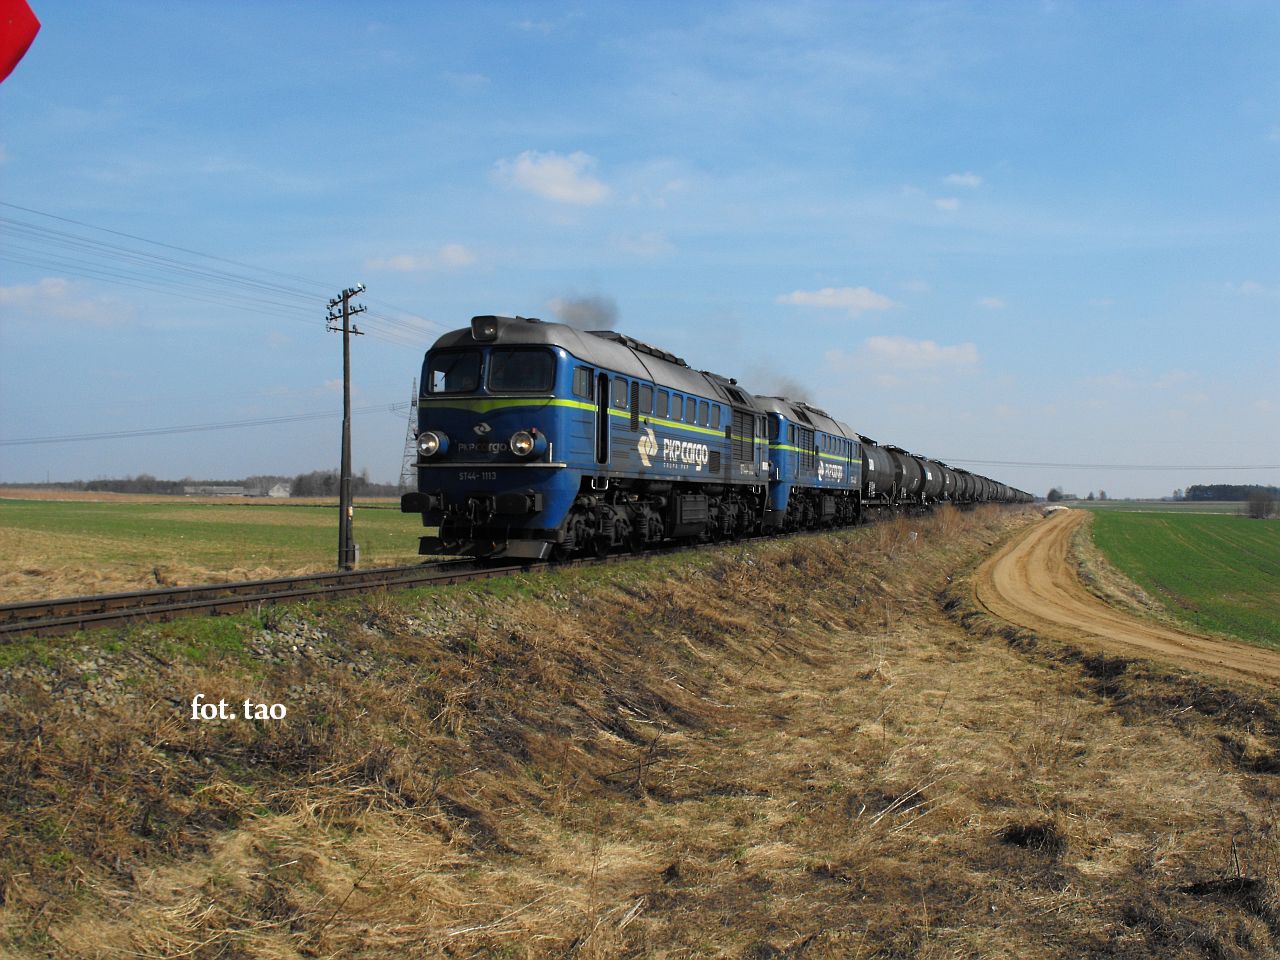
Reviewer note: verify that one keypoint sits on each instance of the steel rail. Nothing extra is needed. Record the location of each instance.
(69, 614)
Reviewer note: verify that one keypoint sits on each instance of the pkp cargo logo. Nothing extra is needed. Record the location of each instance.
(481, 428)
(684, 453)
(647, 446)
(830, 471)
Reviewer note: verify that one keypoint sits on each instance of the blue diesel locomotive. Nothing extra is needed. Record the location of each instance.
(537, 440)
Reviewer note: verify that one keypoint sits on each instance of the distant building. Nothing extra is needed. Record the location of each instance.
(211, 490)
(280, 490)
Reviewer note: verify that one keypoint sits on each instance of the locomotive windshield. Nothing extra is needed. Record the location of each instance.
(520, 371)
(453, 371)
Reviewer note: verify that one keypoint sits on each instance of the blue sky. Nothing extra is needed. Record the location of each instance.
(1027, 232)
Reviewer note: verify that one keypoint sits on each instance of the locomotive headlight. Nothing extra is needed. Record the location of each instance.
(526, 443)
(431, 443)
(484, 328)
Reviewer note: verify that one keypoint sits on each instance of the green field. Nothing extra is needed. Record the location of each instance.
(1214, 572)
(59, 540)
(1232, 507)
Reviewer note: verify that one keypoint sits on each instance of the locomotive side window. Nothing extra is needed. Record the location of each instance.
(520, 371)
(620, 393)
(690, 410)
(646, 399)
(704, 412)
(582, 382)
(715, 416)
(453, 371)
(664, 404)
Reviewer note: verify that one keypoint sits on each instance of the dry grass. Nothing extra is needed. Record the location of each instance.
(44, 564)
(789, 749)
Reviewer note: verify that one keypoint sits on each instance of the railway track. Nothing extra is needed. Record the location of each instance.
(46, 618)
(62, 615)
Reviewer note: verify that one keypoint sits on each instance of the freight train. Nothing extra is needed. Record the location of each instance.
(538, 441)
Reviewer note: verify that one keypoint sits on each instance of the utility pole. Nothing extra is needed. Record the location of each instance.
(346, 545)
(408, 466)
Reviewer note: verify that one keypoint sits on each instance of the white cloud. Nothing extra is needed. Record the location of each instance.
(903, 353)
(554, 176)
(55, 298)
(534, 26)
(1249, 288)
(468, 81)
(895, 361)
(654, 244)
(853, 299)
(450, 256)
(970, 180)
(949, 204)
(992, 303)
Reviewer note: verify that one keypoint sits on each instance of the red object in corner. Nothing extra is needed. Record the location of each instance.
(18, 27)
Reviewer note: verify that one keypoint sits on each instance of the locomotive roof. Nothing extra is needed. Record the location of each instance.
(608, 350)
(801, 412)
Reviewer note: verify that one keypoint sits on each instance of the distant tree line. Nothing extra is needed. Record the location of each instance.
(1228, 491)
(142, 483)
(324, 483)
(318, 483)
(1261, 504)
(1055, 494)
(145, 483)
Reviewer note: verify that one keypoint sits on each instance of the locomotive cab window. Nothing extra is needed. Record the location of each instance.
(621, 393)
(582, 383)
(453, 371)
(520, 371)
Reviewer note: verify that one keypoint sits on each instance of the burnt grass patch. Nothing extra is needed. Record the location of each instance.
(1043, 838)
(783, 749)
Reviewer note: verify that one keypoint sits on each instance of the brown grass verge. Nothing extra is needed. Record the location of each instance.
(1107, 583)
(104, 496)
(785, 749)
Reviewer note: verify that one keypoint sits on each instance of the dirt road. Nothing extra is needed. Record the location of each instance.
(1032, 582)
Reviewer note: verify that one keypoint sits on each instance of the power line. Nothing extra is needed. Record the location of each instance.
(1121, 466)
(396, 408)
(158, 243)
(92, 258)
